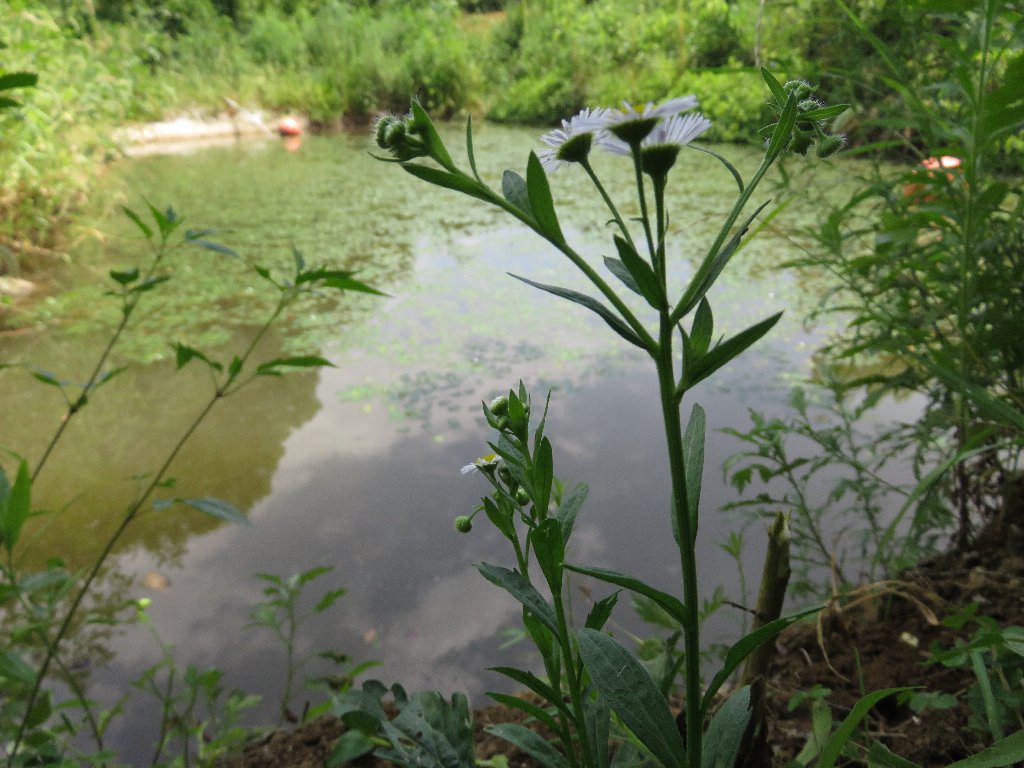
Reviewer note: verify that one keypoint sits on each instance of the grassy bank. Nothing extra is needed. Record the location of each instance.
(104, 62)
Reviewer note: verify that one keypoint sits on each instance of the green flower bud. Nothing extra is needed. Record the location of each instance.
(800, 143)
(505, 475)
(633, 131)
(800, 88)
(499, 406)
(463, 524)
(522, 497)
(575, 149)
(829, 145)
(659, 159)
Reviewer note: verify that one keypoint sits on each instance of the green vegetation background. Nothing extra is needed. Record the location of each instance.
(106, 62)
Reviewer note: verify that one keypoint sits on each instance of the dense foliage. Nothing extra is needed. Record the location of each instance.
(104, 62)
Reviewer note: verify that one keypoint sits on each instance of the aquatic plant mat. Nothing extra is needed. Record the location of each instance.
(865, 644)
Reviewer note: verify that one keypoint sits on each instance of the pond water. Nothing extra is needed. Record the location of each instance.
(357, 466)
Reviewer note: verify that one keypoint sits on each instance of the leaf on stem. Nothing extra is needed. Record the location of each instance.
(746, 646)
(639, 276)
(613, 320)
(456, 182)
(12, 80)
(543, 475)
(218, 508)
(146, 230)
(336, 278)
(15, 506)
(837, 741)
(531, 709)
(522, 590)
(272, 368)
(633, 695)
(469, 148)
(532, 743)
(549, 547)
(726, 730)
(602, 611)
(425, 126)
(13, 667)
(693, 463)
(570, 507)
(543, 207)
(722, 353)
(711, 268)
(538, 686)
(673, 606)
(513, 189)
(184, 354)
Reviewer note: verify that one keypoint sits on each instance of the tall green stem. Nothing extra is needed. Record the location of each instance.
(687, 556)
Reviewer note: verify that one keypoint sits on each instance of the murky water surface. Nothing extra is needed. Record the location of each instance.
(357, 466)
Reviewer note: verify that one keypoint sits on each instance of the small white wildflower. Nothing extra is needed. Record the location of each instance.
(677, 131)
(669, 108)
(490, 461)
(572, 141)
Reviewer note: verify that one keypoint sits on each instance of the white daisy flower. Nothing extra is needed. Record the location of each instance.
(669, 108)
(573, 140)
(490, 461)
(677, 131)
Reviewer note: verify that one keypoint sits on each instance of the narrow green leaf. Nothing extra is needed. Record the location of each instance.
(425, 127)
(531, 743)
(729, 166)
(536, 685)
(633, 695)
(328, 599)
(8, 103)
(271, 367)
(46, 378)
(693, 462)
(543, 476)
(668, 603)
(834, 746)
(143, 226)
(613, 320)
(13, 667)
(336, 278)
(725, 731)
(458, 183)
(726, 351)
(598, 716)
(522, 590)
(774, 86)
(501, 520)
(744, 647)
(350, 745)
(469, 148)
(1005, 752)
(879, 755)
(617, 268)
(703, 328)
(549, 548)
(150, 283)
(218, 508)
(711, 268)
(513, 189)
(783, 129)
(10, 80)
(541, 204)
(531, 709)
(16, 507)
(184, 355)
(645, 281)
(209, 245)
(825, 113)
(570, 507)
(602, 611)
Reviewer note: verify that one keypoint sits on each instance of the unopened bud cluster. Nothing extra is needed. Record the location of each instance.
(810, 131)
(401, 136)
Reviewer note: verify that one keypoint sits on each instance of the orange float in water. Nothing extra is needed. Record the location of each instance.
(946, 162)
(289, 126)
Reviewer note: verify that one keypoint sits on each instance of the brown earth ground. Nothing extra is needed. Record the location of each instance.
(879, 638)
